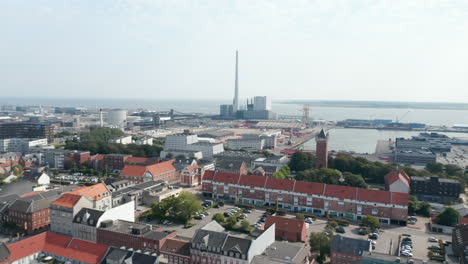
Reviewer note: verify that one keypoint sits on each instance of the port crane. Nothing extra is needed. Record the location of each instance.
(403, 116)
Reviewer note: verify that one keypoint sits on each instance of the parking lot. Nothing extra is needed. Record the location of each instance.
(252, 217)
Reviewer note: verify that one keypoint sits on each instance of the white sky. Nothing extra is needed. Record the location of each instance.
(392, 50)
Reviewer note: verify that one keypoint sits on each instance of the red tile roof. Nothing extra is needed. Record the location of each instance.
(94, 192)
(285, 224)
(399, 198)
(140, 160)
(309, 187)
(226, 177)
(279, 184)
(463, 220)
(374, 196)
(56, 244)
(176, 246)
(394, 175)
(67, 200)
(252, 181)
(342, 192)
(209, 175)
(31, 193)
(155, 169)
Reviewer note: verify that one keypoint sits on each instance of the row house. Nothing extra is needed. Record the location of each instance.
(161, 171)
(308, 197)
(177, 251)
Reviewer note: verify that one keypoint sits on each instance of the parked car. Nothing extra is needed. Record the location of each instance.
(309, 220)
(373, 236)
(433, 239)
(433, 247)
(199, 217)
(340, 230)
(362, 232)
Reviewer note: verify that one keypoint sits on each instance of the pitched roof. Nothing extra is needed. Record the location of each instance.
(237, 245)
(88, 216)
(94, 192)
(286, 224)
(226, 177)
(350, 246)
(395, 175)
(155, 169)
(4, 252)
(399, 198)
(342, 192)
(139, 160)
(211, 239)
(58, 245)
(67, 200)
(255, 181)
(321, 134)
(279, 184)
(31, 193)
(309, 187)
(176, 246)
(375, 196)
(209, 175)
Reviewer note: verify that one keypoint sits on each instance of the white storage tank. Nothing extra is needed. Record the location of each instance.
(117, 117)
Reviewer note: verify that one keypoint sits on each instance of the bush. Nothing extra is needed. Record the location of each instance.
(314, 217)
(300, 216)
(221, 203)
(341, 222)
(246, 206)
(271, 210)
(281, 212)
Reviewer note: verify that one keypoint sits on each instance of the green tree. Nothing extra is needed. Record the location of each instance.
(180, 156)
(370, 221)
(453, 170)
(301, 161)
(424, 209)
(188, 206)
(231, 221)
(333, 224)
(300, 216)
(169, 155)
(435, 167)
(354, 180)
(245, 225)
(282, 173)
(449, 217)
(218, 217)
(320, 244)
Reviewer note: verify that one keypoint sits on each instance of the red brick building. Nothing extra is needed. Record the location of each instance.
(176, 251)
(161, 171)
(321, 150)
(191, 175)
(308, 197)
(74, 159)
(138, 236)
(115, 161)
(293, 230)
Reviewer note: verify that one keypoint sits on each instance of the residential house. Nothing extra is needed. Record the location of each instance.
(290, 229)
(397, 181)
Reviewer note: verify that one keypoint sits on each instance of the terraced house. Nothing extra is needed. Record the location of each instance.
(308, 197)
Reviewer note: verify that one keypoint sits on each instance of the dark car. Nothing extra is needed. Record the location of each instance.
(373, 236)
(340, 230)
(226, 214)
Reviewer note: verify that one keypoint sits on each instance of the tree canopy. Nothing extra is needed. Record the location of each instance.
(370, 221)
(301, 161)
(182, 207)
(320, 244)
(449, 217)
(331, 176)
(282, 173)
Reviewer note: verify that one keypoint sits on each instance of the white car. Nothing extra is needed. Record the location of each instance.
(433, 239)
(309, 220)
(407, 254)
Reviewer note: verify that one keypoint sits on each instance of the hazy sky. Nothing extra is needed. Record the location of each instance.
(408, 50)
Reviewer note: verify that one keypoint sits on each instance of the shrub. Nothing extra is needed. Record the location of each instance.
(281, 212)
(246, 206)
(300, 216)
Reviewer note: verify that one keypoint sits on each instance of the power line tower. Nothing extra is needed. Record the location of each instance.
(305, 113)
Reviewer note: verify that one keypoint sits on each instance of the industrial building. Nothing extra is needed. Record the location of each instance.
(188, 144)
(117, 118)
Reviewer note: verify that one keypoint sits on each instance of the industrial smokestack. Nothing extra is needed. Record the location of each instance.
(100, 118)
(235, 103)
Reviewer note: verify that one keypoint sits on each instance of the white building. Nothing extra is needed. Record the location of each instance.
(262, 103)
(20, 144)
(44, 179)
(188, 144)
(125, 140)
(144, 141)
(246, 143)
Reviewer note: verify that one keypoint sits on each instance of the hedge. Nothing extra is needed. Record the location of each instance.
(341, 222)
(246, 206)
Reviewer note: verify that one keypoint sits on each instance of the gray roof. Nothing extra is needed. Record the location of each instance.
(138, 187)
(210, 239)
(237, 245)
(157, 235)
(4, 251)
(266, 168)
(120, 256)
(282, 252)
(321, 134)
(40, 201)
(87, 216)
(228, 164)
(351, 246)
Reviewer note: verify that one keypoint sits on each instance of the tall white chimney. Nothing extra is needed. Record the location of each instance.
(235, 103)
(100, 118)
